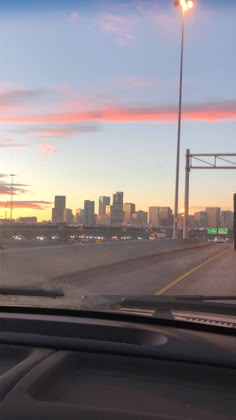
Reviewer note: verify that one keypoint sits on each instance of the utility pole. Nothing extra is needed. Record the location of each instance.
(235, 222)
(12, 176)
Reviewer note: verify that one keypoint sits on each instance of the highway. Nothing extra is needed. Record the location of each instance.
(209, 270)
(10, 244)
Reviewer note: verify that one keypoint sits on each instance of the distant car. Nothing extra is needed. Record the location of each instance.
(219, 240)
(18, 237)
(40, 238)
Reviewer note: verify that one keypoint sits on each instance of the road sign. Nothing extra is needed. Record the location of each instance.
(212, 231)
(223, 231)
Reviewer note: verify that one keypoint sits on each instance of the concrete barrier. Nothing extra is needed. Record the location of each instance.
(40, 264)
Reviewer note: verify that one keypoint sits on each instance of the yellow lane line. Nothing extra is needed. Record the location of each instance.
(188, 273)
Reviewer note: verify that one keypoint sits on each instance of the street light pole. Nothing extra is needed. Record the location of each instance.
(175, 225)
(12, 176)
(184, 5)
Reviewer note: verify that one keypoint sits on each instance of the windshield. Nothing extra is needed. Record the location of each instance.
(117, 140)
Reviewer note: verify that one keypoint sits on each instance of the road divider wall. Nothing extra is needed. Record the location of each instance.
(45, 263)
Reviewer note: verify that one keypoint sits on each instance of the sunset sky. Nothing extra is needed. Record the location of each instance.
(88, 101)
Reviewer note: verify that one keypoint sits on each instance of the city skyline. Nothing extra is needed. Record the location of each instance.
(155, 217)
(96, 200)
(118, 212)
(91, 120)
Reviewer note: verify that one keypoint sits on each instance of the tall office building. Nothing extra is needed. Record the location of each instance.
(108, 211)
(227, 219)
(201, 218)
(118, 198)
(153, 217)
(165, 216)
(58, 212)
(105, 219)
(79, 217)
(128, 209)
(103, 202)
(140, 218)
(69, 217)
(213, 216)
(89, 215)
(116, 210)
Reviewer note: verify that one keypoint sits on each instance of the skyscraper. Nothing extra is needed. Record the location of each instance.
(140, 218)
(201, 218)
(227, 219)
(58, 212)
(213, 216)
(79, 218)
(116, 210)
(118, 198)
(103, 202)
(129, 209)
(166, 216)
(153, 217)
(104, 220)
(69, 217)
(89, 215)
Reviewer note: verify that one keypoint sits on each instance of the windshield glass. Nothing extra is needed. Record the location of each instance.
(117, 140)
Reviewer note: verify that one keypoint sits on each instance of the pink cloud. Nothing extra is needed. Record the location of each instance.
(62, 131)
(9, 143)
(36, 205)
(74, 103)
(48, 133)
(126, 26)
(211, 112)
(5, 189)
(46, 149)
(121, 27)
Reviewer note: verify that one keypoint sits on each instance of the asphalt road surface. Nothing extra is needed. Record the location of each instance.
(209, 270)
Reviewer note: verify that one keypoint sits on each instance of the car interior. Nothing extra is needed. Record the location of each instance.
(85, 365)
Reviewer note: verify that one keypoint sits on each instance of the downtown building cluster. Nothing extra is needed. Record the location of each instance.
(115, 212)
(111, 212)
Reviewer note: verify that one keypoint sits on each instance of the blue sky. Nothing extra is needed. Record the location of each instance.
(88, 100)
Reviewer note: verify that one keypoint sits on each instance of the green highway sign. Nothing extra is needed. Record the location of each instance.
(212, 231)
(223, 231)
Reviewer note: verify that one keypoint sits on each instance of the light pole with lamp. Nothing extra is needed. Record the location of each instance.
(12, 176)
(185, 5)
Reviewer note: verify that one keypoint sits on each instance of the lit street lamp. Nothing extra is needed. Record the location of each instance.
(185, 5)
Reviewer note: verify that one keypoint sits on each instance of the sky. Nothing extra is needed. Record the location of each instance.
(89, 100)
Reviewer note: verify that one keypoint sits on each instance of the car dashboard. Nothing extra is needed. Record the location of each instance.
(93, 367)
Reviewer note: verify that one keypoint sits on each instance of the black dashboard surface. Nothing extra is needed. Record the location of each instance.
(139, 380)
